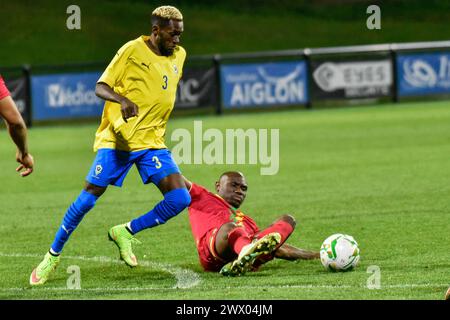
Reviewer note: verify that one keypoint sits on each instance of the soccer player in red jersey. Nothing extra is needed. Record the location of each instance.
(228, 240)
(17, 130)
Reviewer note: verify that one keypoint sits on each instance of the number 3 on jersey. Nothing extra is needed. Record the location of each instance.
(165, 79)
(157, 163)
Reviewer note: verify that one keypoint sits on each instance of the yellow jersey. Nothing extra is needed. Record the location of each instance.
(148, 80)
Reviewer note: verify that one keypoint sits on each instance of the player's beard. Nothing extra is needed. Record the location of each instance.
(164, 50)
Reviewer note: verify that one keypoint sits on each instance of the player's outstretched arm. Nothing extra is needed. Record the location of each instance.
(288, 252)
(18, 132)
(128, 108)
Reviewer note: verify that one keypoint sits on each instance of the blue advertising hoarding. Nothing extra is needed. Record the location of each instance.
(65, 96)
(423, 74)
(264, 84)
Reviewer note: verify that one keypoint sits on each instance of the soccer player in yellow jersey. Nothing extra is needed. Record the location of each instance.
(139, 86)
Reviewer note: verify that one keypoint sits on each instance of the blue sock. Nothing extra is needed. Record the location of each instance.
(174, 202)
(72, 218)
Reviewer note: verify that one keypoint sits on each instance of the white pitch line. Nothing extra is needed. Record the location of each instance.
(306, 286)
(311, 286)
(185, 278)
(106, 289)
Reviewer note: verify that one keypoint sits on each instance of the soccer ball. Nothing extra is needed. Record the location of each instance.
(339, 252)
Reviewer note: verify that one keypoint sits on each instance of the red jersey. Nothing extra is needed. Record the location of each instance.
(209, 211)
(4, 92)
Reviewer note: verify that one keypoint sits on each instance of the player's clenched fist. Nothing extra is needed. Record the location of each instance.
(26, 162)
(128, 108)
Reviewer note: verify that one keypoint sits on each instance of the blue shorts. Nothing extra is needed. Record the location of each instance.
(111, 166)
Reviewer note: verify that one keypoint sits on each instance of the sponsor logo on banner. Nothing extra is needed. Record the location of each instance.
(17, 88)
(282, 83)
(353, 79)
(196, 88)
(65, 96)
(423, 74)
(60, 95)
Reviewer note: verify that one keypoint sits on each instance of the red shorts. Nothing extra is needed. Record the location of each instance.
(209, 259)
(4, 92)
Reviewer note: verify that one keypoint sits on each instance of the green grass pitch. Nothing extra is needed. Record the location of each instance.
(379, 173)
